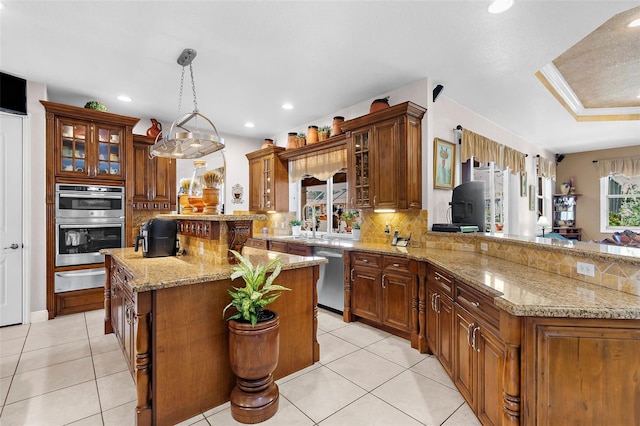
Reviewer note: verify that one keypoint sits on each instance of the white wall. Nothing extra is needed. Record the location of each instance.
(36, 188)
(447, 114)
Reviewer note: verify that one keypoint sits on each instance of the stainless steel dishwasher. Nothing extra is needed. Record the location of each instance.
(331, 281)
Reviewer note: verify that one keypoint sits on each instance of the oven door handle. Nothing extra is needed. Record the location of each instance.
(80, 225)
(101, 196)
(79, 274)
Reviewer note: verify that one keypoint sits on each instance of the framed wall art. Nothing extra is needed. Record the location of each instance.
(523, 184)
(444, 164)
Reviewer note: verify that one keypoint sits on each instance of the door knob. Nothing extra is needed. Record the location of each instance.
(13, 246)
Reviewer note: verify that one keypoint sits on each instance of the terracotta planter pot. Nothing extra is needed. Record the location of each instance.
(267, 143)
(253, 354)
(292, 140)
(211, 198)
(335, 126)
(312, 134)
(379, 104)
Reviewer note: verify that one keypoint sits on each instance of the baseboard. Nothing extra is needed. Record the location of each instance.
(39, 316)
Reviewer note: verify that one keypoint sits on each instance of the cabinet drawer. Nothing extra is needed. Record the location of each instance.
(398, 264)
(256, 243)
(367, 259)
(300, 249)
(478, 304)
(278, 246)
(441, 280)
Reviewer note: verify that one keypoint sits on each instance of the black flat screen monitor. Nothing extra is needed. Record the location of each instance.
(467, 204)
(13, 94)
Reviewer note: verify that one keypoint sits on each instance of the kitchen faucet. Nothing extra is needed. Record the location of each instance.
(313, 218)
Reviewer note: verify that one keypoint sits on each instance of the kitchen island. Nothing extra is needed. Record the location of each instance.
(167, 315)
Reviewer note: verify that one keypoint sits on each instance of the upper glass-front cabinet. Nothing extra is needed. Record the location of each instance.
(88, 149)
(362, 186)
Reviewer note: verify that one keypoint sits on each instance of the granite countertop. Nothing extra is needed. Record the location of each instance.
(521, 290)
(518, 289)
(172, 271)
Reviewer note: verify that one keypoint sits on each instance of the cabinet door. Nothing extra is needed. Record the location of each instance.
(255, 184)
(365, 293)
(490, 366)
(445, 333)
(127, 339)
(386, 171)
(163, 183)
(73, 147)
(109, 148)
(396, 301)
(464, 369)
(359, 157)
(140, 176)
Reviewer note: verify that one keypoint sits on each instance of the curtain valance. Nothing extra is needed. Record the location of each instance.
(546, 168)
(321, 165)
(485, 150)
(625, 166)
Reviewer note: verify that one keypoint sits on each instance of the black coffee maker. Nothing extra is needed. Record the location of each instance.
(158, 237)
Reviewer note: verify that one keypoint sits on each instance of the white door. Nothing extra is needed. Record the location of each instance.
(11, 156)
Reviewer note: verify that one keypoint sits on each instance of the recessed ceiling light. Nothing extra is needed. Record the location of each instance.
(499, 6)
(249, 125)
(287, 106)
(124, 98)
(634, 23)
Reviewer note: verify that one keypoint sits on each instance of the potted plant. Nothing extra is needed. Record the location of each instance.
(254, 340)
(296, 225)
(323, 133)
(355, 231)
(301, 139)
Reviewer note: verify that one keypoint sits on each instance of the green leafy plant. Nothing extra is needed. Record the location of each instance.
(324, 129)
(356, 226)
(249, 301)
(95, 105)
(296, 222)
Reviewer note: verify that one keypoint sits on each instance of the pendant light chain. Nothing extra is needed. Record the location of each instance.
(193, 86)
(180, 96)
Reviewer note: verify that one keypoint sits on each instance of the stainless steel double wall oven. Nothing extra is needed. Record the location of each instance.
(88, 219)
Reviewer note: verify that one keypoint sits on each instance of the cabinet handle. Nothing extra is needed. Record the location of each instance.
(437, 278)
(476, 304)
(395, 265)
(374, 201)
(383, 277)
(352, 275)
(469, 334)
(365, 260)
(433, 301)
(473, 341)
(436, 304)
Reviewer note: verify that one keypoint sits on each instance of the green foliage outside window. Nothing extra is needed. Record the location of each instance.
(624, 212)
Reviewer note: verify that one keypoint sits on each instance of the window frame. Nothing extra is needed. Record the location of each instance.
(604, 207)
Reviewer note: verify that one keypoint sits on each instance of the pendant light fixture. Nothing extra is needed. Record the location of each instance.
(192, 135)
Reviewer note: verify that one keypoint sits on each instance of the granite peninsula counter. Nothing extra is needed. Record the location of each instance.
(167, 315)
(524, 337)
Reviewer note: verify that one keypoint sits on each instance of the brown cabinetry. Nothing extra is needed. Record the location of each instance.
(440, 319)
(381, 291)
(123, 312)
(290, 248)
(83, 146)
(478, 353)
(384, 158)
(585, 370)
(86, 143)
(153, 180)
(268, 180)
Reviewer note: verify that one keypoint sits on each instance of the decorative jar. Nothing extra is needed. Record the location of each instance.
(335, 126)
(197, 185)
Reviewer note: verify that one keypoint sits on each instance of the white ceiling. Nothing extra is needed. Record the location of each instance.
(321, 56)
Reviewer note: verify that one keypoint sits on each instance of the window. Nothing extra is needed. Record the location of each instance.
(620, 203)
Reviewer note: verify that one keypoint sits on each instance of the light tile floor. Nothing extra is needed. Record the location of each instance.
(67, 372)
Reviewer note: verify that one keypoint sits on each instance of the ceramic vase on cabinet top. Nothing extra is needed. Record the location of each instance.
(155, 129)
(312, 134)
(292, 140)
(267, 143)
(335, 126)
(379, 104)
